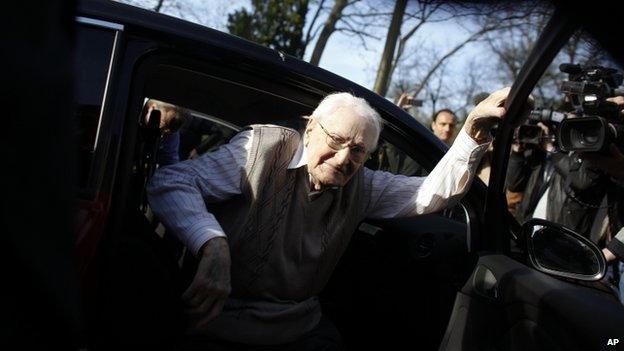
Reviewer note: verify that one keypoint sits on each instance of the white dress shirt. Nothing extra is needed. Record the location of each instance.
(178, 193)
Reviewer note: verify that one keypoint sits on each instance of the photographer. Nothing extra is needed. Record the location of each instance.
(576, 192)
(578, 188)
(530, 168)
(612, 164)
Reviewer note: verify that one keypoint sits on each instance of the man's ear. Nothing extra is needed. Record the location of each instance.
(309, 128)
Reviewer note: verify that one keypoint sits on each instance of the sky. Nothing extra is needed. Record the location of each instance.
(359, 65)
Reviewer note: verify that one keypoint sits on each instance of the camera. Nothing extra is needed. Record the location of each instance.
(597, 124)
(531, 133)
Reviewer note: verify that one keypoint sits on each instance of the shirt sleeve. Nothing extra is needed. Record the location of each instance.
(178, 193)
(392, 196)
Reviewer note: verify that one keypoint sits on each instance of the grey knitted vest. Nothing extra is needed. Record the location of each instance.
(284, 245)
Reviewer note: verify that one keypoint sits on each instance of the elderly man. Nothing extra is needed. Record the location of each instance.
(443, 125)
(288, 204)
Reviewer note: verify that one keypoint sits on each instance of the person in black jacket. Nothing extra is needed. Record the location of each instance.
(529, 173)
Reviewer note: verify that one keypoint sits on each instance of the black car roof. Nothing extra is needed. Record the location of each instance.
(134, 18)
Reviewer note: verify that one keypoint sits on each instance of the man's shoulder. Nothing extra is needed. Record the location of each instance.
(271, 127)
(274, 130)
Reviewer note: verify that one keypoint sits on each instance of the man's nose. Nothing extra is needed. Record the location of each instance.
(342, 156)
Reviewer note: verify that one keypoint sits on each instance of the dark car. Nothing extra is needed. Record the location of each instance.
(462, 279)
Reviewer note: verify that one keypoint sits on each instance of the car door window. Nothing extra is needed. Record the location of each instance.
(551, 174)
(563, 163)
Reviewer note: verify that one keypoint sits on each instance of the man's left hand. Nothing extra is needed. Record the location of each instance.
(487, 113)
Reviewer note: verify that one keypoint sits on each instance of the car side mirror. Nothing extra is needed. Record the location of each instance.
(559, 251)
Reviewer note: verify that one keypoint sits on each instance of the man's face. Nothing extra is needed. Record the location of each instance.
(444, 126)
(331, 167)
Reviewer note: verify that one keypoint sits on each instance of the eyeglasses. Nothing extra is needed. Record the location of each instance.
(357, 153)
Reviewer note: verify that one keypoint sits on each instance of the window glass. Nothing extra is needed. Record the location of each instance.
(561, 167)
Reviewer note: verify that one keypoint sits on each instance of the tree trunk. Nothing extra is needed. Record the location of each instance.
(158, 6)
(328, 29)
(382, 81)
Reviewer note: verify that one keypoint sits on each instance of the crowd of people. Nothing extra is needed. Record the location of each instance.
(581, 191)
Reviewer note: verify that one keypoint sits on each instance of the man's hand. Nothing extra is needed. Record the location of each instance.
(405, 101)
(619, 100)
(486, 114)
(193, 154)
(210, 288)
(609, 256)
(546, 144)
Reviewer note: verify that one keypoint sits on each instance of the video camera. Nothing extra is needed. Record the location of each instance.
(533, 134)
(598, 123)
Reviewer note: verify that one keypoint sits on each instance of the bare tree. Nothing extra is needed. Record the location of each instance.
(213, 16)
(158, 6)
(328, 28)
(355, 18)
(512, 44)
(412, 20)
(382, 80)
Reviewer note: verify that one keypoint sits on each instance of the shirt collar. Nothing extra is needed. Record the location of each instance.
(301, 157)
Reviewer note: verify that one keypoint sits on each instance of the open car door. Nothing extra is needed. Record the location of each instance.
(508, 305)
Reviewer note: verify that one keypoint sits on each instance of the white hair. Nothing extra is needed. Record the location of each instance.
(336, 101)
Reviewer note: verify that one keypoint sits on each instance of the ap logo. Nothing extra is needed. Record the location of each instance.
(612, 342)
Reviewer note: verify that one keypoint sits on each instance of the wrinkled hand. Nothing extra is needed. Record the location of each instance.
(210, 288)
(485, 115)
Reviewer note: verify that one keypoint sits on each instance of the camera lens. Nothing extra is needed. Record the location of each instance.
(583, 134)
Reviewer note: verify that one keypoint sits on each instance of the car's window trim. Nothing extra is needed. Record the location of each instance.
(557, 32)
(100, 23)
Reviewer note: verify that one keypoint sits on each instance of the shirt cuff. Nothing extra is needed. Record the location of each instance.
(468, 149)
(200, 234)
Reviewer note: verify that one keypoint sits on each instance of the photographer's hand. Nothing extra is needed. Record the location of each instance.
(620, 101)
(405, 101)
(546, 144)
